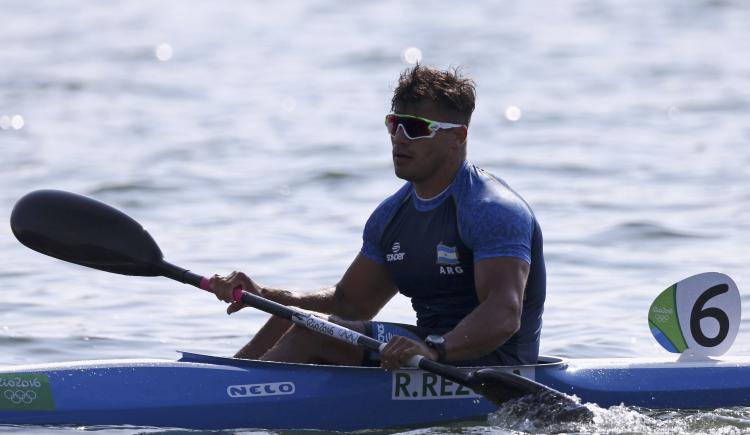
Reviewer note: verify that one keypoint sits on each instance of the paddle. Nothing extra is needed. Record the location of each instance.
(84, 231)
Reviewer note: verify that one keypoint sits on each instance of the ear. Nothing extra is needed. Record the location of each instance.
(461, 134)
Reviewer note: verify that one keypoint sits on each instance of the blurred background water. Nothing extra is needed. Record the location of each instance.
(249, 135)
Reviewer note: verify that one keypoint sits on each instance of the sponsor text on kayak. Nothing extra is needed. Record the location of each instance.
(259, 390)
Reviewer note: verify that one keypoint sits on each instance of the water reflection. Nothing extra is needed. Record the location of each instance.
(164, 52)
(412, 55)
(15, 122)
(513, 113)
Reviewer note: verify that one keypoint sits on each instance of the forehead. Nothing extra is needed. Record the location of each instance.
(426, 109)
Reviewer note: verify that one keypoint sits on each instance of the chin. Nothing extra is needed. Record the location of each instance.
(402, 174)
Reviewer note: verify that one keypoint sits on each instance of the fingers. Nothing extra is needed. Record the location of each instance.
(223, 287)
(390, 356)
(220, 287)
(400, 350)
(234, 307)
(239, 279)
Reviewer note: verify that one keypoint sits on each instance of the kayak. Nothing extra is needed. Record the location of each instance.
(208, 392)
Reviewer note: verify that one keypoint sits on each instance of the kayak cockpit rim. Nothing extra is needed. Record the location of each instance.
(191, 357)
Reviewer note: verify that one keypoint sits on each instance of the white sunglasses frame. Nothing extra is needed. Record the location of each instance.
(434, 126)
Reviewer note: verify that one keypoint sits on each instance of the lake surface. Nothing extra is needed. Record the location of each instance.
(249, 136)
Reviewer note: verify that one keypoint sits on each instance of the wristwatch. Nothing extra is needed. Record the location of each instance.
(437, 342)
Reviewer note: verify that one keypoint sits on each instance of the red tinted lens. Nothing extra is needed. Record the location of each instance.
(414, 127)
(391, 122)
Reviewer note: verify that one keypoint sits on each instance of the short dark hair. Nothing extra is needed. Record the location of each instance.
(449, 89)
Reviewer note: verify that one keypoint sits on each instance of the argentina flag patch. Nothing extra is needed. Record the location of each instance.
(447, 255)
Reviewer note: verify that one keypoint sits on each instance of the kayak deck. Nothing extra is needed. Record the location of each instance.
(661, 383)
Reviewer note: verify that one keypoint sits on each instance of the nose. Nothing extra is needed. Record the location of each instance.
(400, 136)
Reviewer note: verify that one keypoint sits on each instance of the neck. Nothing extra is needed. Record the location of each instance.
(435, 185)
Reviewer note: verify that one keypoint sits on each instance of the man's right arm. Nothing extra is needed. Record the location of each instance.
(363, 290)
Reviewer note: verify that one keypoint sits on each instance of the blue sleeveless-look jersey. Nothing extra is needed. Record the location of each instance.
(430, 248)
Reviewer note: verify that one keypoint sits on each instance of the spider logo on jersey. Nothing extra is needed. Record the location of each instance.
(396, 256)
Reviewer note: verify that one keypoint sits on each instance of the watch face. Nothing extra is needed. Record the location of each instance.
(437, 339)
(437, 342)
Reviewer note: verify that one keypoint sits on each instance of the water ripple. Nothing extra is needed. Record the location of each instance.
(635, 231)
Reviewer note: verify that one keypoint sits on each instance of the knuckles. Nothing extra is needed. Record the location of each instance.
(223, 286)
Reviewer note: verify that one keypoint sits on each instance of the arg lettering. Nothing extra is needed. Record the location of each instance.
(451, 270)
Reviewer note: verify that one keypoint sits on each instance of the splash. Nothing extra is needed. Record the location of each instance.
(540, 412)
(527, 416)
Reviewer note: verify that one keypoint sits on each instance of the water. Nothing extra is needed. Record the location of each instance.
(248, 135)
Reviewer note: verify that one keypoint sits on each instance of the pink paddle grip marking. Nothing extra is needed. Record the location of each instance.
(204, 284)
(237, 294)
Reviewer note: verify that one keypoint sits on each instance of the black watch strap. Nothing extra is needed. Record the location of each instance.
(437, 342)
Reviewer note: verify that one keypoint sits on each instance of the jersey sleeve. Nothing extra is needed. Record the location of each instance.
(498, 226)
(371, 238)
(377, 222)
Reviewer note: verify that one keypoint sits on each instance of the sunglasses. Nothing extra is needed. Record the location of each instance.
(416, 127)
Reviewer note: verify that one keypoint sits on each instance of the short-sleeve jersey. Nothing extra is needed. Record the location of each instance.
(430, 248)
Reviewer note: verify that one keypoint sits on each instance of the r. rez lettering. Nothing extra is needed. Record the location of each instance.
(417, 385)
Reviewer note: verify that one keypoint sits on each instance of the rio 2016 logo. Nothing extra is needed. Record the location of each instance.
(26, 391)
(20, 396)
(18, 382)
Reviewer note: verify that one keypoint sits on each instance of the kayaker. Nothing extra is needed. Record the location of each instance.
(455, 239)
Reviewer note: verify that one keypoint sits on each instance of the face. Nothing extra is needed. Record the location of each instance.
(426, 159)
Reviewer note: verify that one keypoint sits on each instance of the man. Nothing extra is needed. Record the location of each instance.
(456, 240)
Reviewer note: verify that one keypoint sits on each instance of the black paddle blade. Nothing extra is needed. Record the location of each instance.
(503, 388)
(84, 231)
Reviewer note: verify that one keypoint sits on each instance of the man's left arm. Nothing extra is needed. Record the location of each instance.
(500, 284)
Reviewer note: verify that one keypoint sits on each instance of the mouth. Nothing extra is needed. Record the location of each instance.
(399, 155)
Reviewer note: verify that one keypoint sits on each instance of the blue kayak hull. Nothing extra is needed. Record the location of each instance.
(665, 384)
(204, 392)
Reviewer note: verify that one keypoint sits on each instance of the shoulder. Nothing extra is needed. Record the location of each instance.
(482, 192)
(388, 207)
(493, 219)
(393, 202)
(378, 221)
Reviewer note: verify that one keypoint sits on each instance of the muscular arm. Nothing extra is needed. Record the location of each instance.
(363, 290)
(500, 284)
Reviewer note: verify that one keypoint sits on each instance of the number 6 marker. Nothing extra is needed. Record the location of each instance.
(697, 317)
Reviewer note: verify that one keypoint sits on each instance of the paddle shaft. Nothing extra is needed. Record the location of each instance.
(312, 322)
